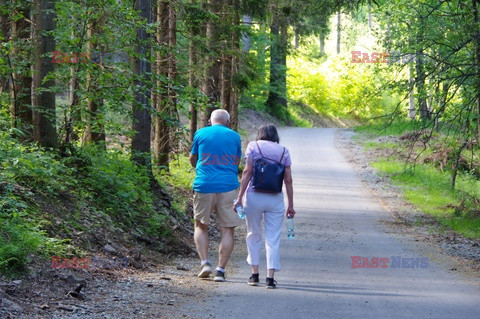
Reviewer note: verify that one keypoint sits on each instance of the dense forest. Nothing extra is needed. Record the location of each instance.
(99, 100)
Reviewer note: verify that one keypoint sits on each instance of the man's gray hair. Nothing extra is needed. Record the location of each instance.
(220, 116)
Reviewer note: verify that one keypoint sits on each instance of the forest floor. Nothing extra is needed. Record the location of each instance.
(167, 286)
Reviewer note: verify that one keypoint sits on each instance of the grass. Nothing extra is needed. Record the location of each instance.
(396, 128)
(429, 189)
(299, 114)
(369, 145)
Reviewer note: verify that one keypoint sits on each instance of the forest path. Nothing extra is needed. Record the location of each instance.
(337, 217)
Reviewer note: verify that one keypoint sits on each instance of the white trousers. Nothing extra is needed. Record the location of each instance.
(271, 209)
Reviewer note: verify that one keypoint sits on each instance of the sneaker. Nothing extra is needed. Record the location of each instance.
(253, 280)
(206, 270)
(219, 276)
(270, 283)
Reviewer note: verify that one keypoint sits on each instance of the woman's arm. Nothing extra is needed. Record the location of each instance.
(287, 179)
(246, 176)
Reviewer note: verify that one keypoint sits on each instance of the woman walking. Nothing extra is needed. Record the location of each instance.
(266, 206)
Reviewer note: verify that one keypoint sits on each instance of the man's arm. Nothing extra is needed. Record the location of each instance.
(193, 160)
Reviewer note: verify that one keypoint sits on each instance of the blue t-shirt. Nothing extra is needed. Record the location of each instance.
(219, 151)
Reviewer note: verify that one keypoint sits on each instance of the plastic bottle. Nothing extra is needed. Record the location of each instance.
(290, 228)
(240, 211)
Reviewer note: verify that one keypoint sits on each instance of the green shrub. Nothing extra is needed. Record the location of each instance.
(115, 185)
(429, 190)
(338, 88)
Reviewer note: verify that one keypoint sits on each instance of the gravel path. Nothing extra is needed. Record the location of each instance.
(339, 217)
(344, 210)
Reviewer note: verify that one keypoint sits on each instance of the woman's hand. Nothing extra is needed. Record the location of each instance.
(290, 213)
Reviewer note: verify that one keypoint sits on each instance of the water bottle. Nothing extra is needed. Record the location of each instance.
(290, 229)
(240, 211)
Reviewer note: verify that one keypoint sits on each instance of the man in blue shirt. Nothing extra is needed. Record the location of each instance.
(216, 153)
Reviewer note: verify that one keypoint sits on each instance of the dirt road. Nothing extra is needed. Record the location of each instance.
(337, 218)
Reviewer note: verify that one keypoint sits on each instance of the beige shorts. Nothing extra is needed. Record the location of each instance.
(205, 203)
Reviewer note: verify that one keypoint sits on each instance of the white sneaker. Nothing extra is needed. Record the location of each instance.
(206, 270)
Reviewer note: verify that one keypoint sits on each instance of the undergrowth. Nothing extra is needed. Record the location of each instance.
(44, 197)
(425, 178)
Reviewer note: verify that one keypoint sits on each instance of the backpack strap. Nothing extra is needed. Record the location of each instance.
(281, 158)
(258, 146)
(260, 151)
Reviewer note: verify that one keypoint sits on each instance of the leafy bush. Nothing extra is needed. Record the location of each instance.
(181, 174)
(17, 242)
(31, 167)
(114, 184)
(105, 182)
(339, 88)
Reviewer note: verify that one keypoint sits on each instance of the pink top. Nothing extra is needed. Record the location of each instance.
(270, 150)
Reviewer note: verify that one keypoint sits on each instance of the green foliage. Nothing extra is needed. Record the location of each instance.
(254, 72)
(17, 242)
(25, 170)
(31, 167)
(181, 174)
(107, 183)
(115, 185)
(339, 88)
(382, 128)
(179, 179)
(430, 191)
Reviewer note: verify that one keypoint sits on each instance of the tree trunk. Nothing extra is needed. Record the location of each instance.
(94, 129)
(211, 82)
(225, 79)
(247, 22)
(226, 58)
(296, 39)
(172, 71)
(369, 15)
(192, 82)
(339, 31)
(74, 115)
(166, 70)
(141, 107)
(44, 117)
(74, 102)
(456, 163)
(230, 51)
(277, 100)
(235, 40)
(475, 4)
(4, 29)
(411, 85)
(234, 98)
(420, 78)
(420, 84)
(21, 92)
(322, 41)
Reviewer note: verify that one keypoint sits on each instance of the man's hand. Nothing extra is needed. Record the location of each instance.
(193, 160)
